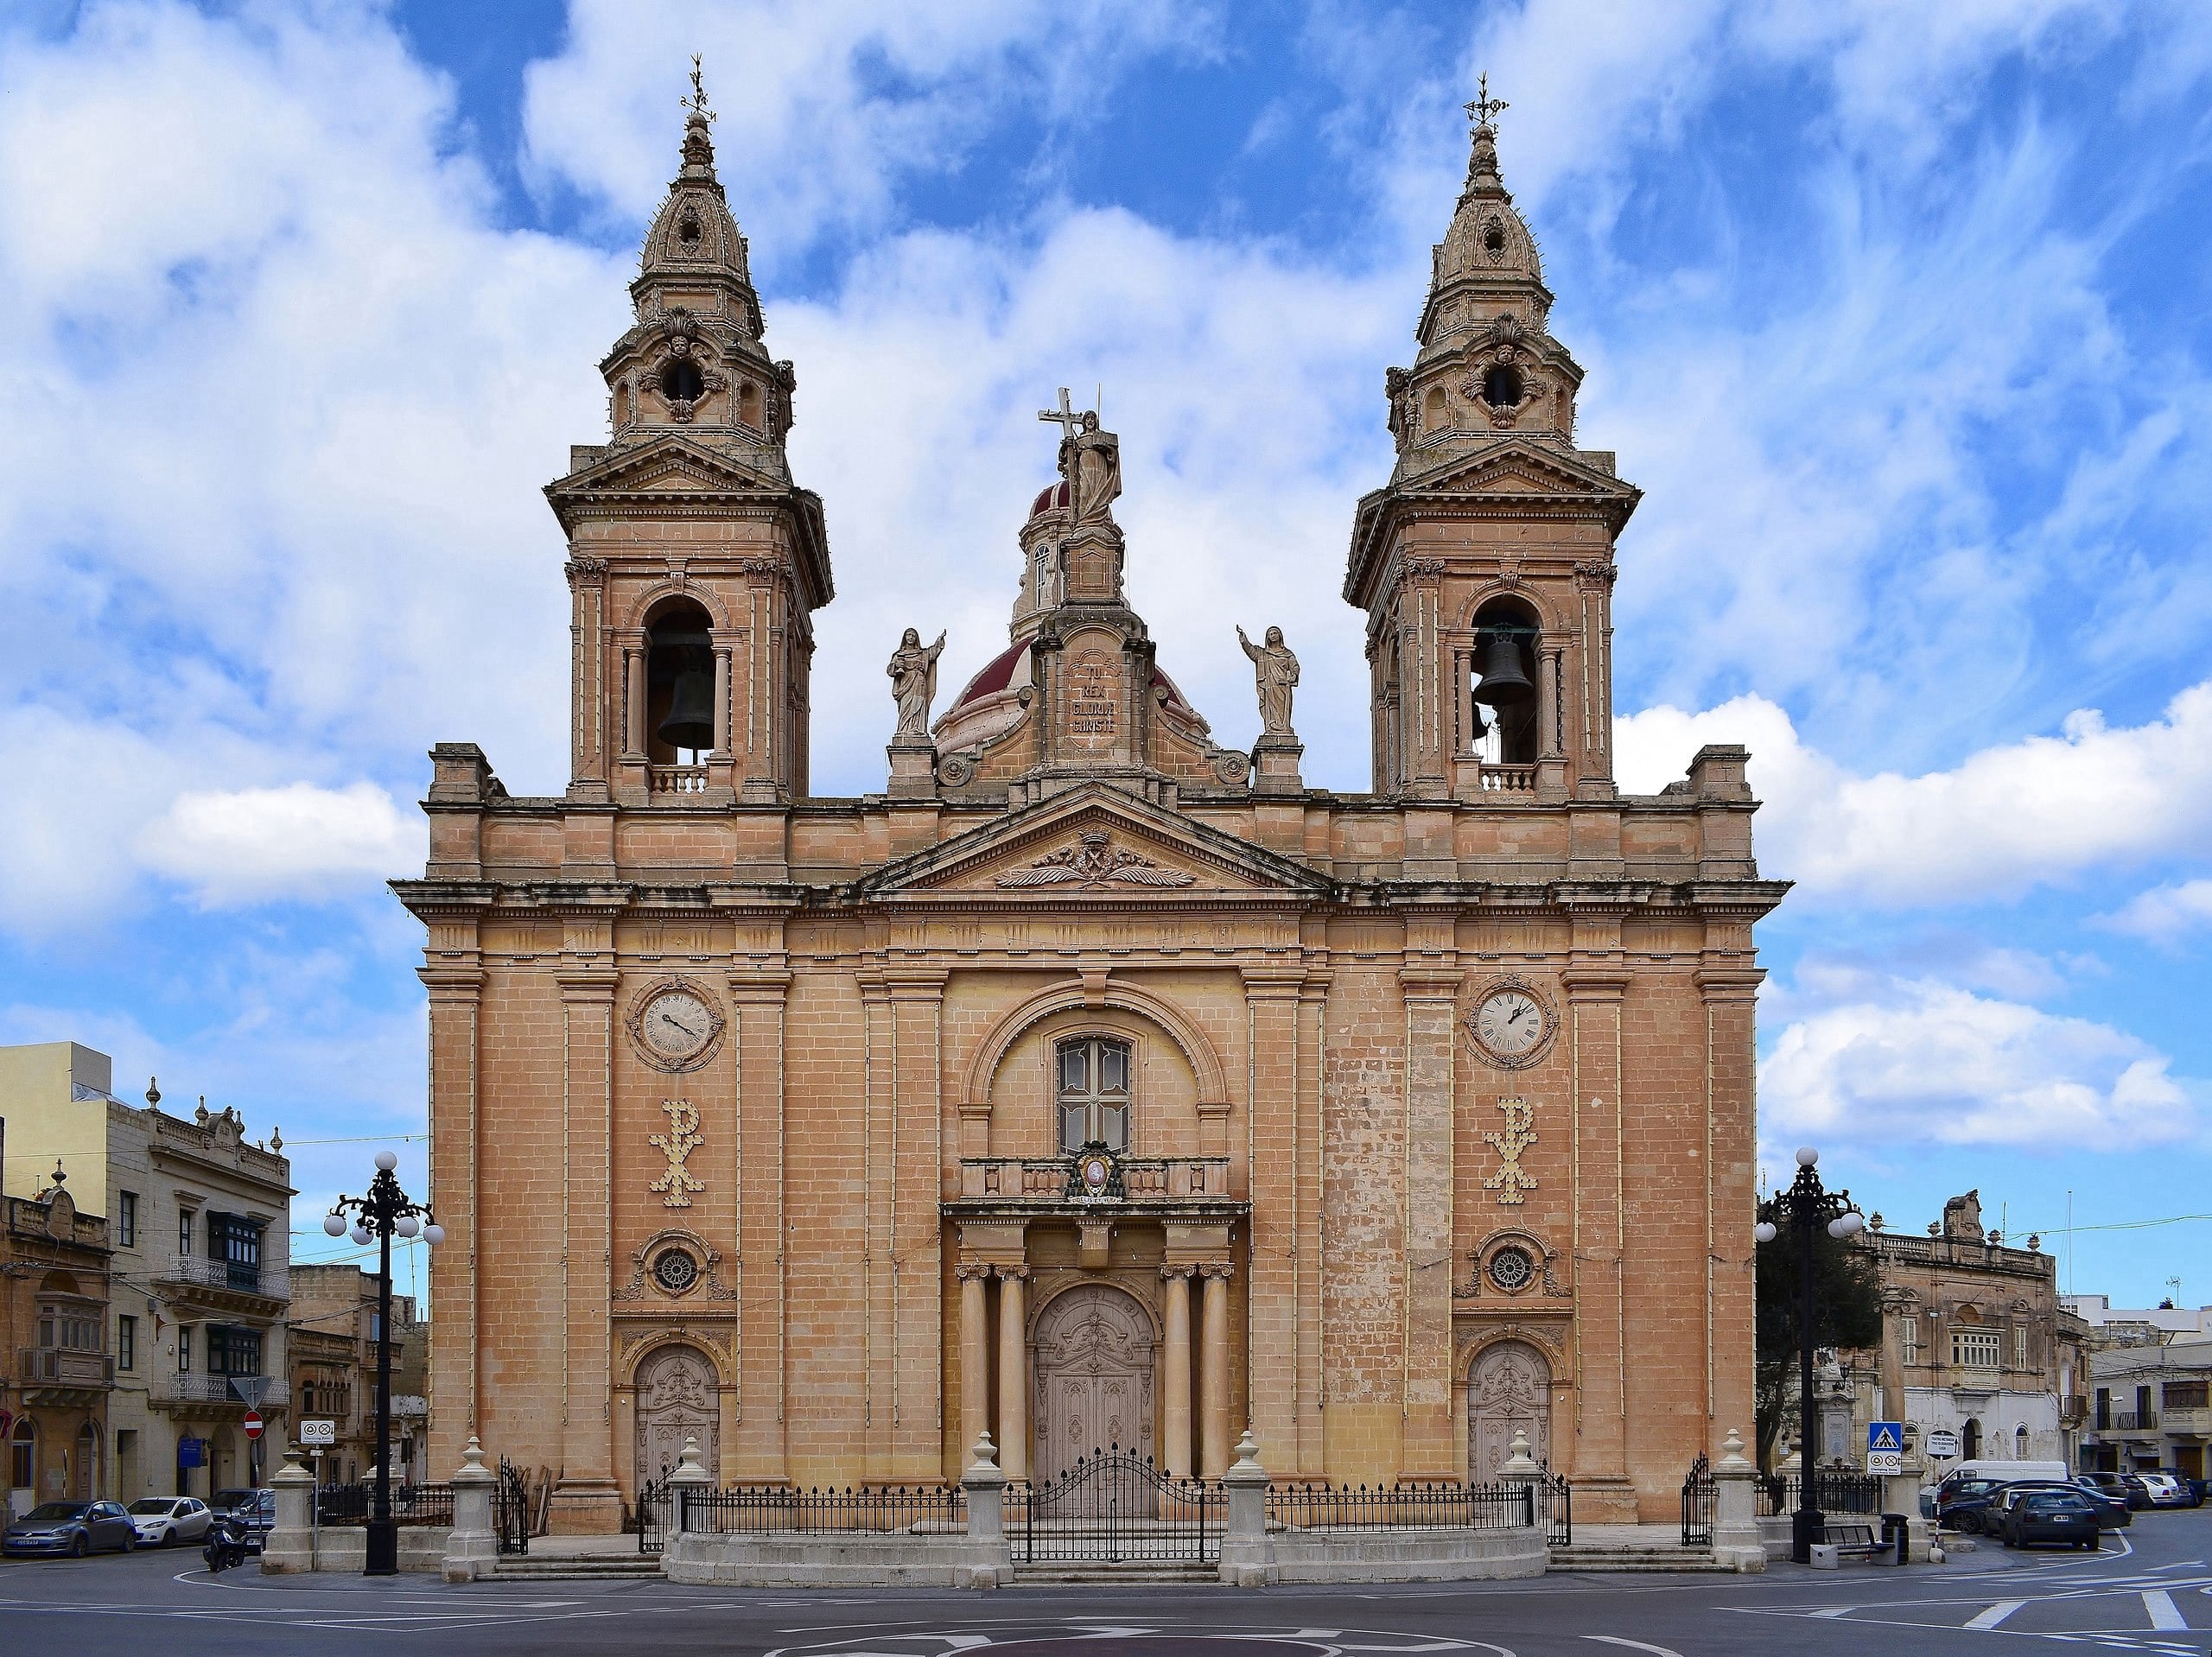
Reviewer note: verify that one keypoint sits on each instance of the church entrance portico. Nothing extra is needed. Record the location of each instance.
(1092, 1358)
(677, 1399)
(1509, 1390)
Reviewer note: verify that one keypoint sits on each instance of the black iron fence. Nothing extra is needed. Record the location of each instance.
(1701, 1499)
(1554, 1499)
(511, 1509)
(914, 1510)
(411, 1504)
(1836, 1491)
(1114, 1505)
(1436, 1505)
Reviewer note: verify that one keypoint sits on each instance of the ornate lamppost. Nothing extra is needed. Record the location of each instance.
(386, 1212)
(1808, 1207)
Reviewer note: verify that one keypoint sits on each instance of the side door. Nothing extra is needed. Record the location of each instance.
(110, 1524)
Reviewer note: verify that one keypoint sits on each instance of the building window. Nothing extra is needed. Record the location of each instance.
(236, 1241)
(1094, 1093)
(2104, 1409)
(2019, 1444)
(126, 1220)
(2020, 1346)
(233, 1351)
(1908, 1338)
(184, 1348)
(1975, 1348)
(2185, 1395)
(22, 1449)
(184, 1229)
(126, 1342)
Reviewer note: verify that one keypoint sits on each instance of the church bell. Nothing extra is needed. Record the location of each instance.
(689, 721)
(1503, 684)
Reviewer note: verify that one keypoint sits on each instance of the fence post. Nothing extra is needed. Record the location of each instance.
(689, 1475)
(1247, 1559)
(1736, 1538)
(290, 1543)
(472, 1547)
(1901, 1494)
(988, 1560)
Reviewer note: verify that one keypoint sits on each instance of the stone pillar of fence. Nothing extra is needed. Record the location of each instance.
(1247, 1559)
(689, 1475)
(988, 1561)
(1901, 1494)
(472, 1547)
(290, 1543)
(1735, 1540)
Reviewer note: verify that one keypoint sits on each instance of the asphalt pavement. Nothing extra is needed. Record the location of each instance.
(2150, 1591)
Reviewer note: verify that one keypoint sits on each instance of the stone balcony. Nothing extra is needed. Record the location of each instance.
(57, 1375)
(1049, 1179)
(205, 1394)
(2189, 1421)
(225, 1285)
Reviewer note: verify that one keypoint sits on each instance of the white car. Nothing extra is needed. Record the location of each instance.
(161, 1520)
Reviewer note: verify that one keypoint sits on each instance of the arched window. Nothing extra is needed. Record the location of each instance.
(1435, 415)
(679, 685)
(1094, 1093)
(1503, 725)
(2019, 1444)
(23, 1453)
(682, 381)
(1970, 1439)
(748, 404)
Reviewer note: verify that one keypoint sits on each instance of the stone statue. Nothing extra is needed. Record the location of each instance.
(1091, 460)
(1275, 671)
(913, 684)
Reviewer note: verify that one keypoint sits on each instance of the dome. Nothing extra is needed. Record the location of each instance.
(991, 702)
(1051, 495)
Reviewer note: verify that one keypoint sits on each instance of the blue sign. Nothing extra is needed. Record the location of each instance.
(189, 1451)
(1884, 1435)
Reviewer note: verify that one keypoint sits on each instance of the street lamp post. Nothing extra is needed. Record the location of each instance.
(1808, 1207)
(386, 1212)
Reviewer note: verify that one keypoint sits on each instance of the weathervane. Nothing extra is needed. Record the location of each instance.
(1485, 105)
(697, 102)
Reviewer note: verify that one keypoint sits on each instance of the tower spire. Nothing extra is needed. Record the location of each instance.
(1483, 179)
(698, 142)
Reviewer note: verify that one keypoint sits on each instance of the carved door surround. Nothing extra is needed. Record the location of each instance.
(1508, 1388)
(678, 1398)
(1091, 1356)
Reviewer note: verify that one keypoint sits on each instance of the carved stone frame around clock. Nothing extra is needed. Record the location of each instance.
(635, 1022)
(1491, 1056)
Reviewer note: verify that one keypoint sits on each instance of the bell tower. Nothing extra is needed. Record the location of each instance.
(1485, 565)
(695, 562)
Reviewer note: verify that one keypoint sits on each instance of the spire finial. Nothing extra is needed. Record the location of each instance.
(1483, 111)
(697, 102)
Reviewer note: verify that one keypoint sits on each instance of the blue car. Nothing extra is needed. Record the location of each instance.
(75, 1528)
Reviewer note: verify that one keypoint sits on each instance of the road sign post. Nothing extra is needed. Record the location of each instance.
(253, 1424)
(1885, 1448)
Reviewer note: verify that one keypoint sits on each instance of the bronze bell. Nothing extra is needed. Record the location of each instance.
(1503, 684)
(689, 721)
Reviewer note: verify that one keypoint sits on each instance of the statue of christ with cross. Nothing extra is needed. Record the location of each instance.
(1090, 460)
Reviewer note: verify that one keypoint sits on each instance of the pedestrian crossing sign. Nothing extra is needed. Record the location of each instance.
(1885, 1447)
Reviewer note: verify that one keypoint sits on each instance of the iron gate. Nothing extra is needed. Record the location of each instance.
(511, 1509)
(1115, 1505)
(655, 1510)
(1699, 1497)
(1554, 1500)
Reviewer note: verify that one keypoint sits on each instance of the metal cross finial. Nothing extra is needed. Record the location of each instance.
(697, 102)
(1064, 416)
(1486, 107)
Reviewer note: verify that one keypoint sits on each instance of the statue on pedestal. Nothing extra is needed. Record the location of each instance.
(913, 670)
(1275, 670)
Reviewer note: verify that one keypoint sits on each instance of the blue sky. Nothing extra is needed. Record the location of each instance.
(1898, 313)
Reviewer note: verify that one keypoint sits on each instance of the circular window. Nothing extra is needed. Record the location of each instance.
(681, 381)
(1494, 237)
(687, 231)
(676, 1270)
(1501, 387)
(1511, 1269)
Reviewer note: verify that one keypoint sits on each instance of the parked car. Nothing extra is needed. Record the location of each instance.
(163, 1522)
(255, 1510)
(73, 1527)
(2114, 1510)
(2169, 1489)
(2037, 1515)
(2126, 1485)
(1962, 1504)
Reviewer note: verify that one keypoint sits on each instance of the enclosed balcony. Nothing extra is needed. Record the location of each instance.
(60, 1376)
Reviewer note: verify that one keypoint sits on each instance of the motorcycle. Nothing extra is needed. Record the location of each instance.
(226, 1546)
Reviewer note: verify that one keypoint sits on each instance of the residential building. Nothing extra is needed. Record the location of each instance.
(1091, 1080)
(199, 1224)
(333, 1328)
(2150, 1407)
(56, 1372)
(2110, 1325)
(1975, 1341)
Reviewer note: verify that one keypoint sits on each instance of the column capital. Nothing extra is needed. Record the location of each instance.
(1169, 1274)
(1221, 1271)
(972, 1270)
(759, 987)
(1009, 1273)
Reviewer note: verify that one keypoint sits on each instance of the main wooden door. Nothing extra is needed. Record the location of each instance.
(677, 1400)
(1092, 1359)
(1510, 1388)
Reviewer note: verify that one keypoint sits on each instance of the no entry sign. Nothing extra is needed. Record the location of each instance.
(253, 1424)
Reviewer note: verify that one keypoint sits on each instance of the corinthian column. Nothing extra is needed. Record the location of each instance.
(1175, 1373)
(1013, 1375)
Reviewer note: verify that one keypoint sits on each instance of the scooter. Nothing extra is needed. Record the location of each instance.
(226, 1544)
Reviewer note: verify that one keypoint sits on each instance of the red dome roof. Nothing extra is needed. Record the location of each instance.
(1051, 495)
(998, 674)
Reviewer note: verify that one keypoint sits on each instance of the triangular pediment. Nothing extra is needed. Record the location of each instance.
(1092, 843)
(669, 465)
(1518, 468)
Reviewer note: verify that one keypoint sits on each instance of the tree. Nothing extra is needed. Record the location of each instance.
(1846, 1315)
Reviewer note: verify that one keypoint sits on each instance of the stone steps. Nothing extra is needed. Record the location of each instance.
(577, 1567)
(1632, 1559)
(1115, 1572)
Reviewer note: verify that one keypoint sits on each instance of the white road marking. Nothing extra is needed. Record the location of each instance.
(2163, 1613)
(1633, 1645)
(1995, 1614)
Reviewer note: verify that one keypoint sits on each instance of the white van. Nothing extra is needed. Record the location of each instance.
(2009, 1472)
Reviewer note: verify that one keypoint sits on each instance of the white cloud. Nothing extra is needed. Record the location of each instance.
(2035, 810)
(299, 840)
(1901, 1061)
(2167, 914)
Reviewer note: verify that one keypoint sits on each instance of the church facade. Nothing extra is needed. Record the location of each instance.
(1092, 1083)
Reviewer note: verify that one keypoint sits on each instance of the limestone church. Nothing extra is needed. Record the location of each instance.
(1091, 1082)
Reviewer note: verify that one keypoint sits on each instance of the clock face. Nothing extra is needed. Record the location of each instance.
(677, 1025)
(1510, 1023)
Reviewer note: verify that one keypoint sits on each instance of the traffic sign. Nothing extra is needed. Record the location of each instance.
(1941, 1442)
(253, 1424)
(318, 1432)
(1885, 1447)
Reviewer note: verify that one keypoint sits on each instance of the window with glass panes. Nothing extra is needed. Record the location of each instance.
(1975, 1348)
(1908, 1338)
(236, 1241)
(126, 1220)
(126, 1342)
(1094, 1093)
(233, 1351)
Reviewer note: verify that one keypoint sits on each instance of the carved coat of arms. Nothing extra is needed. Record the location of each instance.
(1094, 861)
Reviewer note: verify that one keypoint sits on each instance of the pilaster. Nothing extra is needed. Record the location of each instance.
(1429, 981)
(912, 1241)
(586, 1499)
(758, 998)
(1271, 1000)
(456, 991)
(1596, 986)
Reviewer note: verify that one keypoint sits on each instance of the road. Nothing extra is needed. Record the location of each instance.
(2150, 1593)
